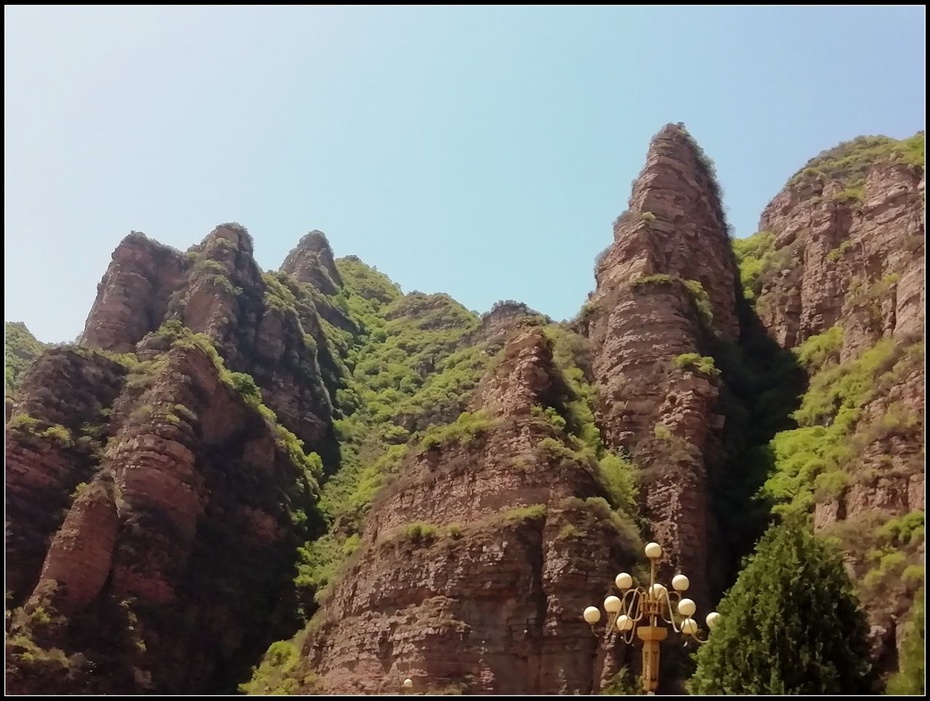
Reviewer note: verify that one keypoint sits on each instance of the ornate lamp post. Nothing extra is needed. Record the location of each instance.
(640, 609)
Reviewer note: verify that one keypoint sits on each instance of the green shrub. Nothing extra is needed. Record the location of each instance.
(910, 678)
(420, 533)
(468, 428)
(822, 348)
(698, 363)
(658, 279)
(525, 513)
(850, 161)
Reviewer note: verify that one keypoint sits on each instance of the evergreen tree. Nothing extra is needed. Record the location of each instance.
(790, 625)
(910, 676)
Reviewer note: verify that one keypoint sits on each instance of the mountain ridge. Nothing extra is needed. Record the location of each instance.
(670, 407)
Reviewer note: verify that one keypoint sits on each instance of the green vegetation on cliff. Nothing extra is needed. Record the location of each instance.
(20, 349)
(820, 456)
(910, 679)
(410, 368)
(850, 161)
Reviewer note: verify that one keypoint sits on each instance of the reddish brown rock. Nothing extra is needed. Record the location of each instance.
(504, 318)
(81, 554)
(675, 226)
(52, 444)
(643, 318)
(218, 290)
(477, 561)
(133, 295)
(854, 257)
(312, 262)
(185, 525)
(837, 254)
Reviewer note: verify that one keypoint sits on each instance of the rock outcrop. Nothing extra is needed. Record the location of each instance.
(53, 444)
(217, 289)
(162, 477)
(312, 262)
(835, 251)
(478, 558)
(163, 566)
(665, 290)
(841, 281)
(132, 298)
(503, 318)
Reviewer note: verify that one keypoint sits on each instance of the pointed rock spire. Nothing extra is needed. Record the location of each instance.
(675, 226)
(311, 261)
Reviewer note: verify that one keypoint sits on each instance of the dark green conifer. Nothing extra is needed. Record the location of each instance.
(790, 625)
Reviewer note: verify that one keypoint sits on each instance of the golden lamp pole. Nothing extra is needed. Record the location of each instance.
(640, 609)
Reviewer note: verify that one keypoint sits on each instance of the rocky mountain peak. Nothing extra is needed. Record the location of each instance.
(133, 294)
(504, 317)
(312, 262)
(674, 226)
(480, 480)
(526, 377)
(233, 236)
(666, 294)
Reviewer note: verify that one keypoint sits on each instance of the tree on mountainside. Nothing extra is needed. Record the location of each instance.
(791, 624)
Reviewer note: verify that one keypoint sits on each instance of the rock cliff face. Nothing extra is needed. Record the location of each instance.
(164, 474)
(157, 561)
(839, 278)
(665, 290)
(834, 247)
(504, 317)
(52, 446)
(218, 290)
(477, 559)
(176, 490)
(312, 262)
(132, 298)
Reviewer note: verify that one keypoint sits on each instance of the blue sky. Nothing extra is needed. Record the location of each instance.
(483, 152)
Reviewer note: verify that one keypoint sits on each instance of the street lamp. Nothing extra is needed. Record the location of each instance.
(407, 684)
(639, 609)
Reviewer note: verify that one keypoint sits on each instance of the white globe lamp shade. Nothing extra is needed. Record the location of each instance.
(624, 622)
(686, 608)
(653, 551)
(612, 604)
(623, 581)
(408, 683)
(680, 583)
(658, 591)
(689, 626)
(713, 618)
(592, 615)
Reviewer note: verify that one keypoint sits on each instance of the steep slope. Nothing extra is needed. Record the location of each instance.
(217, 289)
(665, 296)
(20, 350)
(414, 364)
(173, 506)
(477, 556)
(165, 476)
(439, 493)
(837, 275)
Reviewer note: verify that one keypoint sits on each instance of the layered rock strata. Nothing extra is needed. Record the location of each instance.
(478, 559)
(665, 290)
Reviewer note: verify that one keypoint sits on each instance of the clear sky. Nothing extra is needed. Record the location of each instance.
(482, 152)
